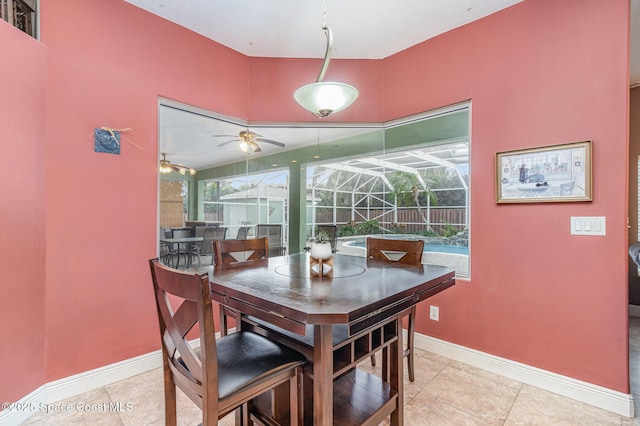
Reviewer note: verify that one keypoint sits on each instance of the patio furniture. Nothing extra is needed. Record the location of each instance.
(274, 234)
(204, 247)
(243, 232)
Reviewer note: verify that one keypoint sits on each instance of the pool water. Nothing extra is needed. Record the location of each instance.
(432, 248)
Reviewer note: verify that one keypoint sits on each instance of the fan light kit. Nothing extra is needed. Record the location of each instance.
(325, 97)
(167, 166)
(248, 141)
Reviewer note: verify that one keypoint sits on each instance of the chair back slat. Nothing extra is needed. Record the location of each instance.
(240, 252)
(407, 252)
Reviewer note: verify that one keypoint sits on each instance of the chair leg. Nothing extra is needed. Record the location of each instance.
(411, 329)
(169, 396)
(223, 322)
(293, 399)
(373, 360)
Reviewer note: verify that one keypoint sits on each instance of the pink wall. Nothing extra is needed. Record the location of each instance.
(542, 72)
(22, 213)
(108, 69)
(273, 82)
(634, 154)
(539, 73)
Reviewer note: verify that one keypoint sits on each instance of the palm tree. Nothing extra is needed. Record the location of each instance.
(406, 192)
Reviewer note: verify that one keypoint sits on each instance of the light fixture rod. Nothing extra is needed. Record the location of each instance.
(327, 53)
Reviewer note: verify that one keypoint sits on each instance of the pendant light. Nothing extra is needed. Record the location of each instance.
(325, 97)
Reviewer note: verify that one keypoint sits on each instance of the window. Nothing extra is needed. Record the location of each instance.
(241, 202)
(418, 191)
(21, 14)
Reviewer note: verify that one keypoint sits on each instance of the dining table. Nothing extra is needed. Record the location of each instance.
(183, 244)
(338, 318)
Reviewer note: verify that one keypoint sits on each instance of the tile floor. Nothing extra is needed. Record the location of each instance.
(445, 392)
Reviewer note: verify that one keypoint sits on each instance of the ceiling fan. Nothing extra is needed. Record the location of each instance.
(167, 166)
(248, 141)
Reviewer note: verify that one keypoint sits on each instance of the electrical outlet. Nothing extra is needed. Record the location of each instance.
(434, 313)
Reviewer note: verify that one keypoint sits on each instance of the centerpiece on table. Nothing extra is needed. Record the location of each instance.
(321, 255)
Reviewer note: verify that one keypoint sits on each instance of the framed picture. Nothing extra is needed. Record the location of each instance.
(555, 173)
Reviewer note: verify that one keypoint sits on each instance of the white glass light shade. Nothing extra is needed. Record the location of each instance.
(325, 97)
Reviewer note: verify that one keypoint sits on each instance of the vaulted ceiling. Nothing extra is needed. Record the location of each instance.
(362, 29)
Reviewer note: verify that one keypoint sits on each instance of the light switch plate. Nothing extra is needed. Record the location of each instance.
(588, 225)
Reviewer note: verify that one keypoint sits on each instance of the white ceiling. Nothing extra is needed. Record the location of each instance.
(187, 136)
(362, 29)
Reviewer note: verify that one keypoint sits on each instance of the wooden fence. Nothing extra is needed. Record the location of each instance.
(408, 218)
(411, 219)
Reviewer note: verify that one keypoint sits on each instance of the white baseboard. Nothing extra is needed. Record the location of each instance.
(610, 400)
(598, 396)
(80, 383)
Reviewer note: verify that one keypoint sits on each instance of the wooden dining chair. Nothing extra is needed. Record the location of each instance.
(223, 375)
(233, 254)
(406, 252)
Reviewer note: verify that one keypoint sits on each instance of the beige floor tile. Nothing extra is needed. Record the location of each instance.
(534, 406)
(477, 392)
(88, 408)
(444, 393)
(424, 410)
(154, 375)
(146, 400)
(427, 367)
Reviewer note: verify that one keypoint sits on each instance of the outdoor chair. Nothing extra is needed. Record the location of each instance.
(167, 250)
(274, 234)
(406, 252)
(222, 375)
(243, 231)
(204, 248)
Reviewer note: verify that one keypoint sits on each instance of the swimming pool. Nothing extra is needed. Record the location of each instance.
(429, 248)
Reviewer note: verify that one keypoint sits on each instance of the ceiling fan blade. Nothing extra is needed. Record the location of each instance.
(280, 144)
(224, 136)
(254, 146)
(228, 142)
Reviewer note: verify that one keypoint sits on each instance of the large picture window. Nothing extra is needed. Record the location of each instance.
(421, 192)
(406, 178)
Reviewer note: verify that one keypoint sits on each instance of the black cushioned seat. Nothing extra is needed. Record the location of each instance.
(245, 358)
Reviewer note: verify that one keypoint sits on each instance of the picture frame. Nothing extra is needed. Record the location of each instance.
(554, 173)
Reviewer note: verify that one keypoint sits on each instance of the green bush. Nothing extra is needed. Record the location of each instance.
(449, 230)
(368, 227)
(346, 231)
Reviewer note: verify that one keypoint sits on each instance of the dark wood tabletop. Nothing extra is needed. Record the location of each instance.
(359, 293)
(357, 288)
